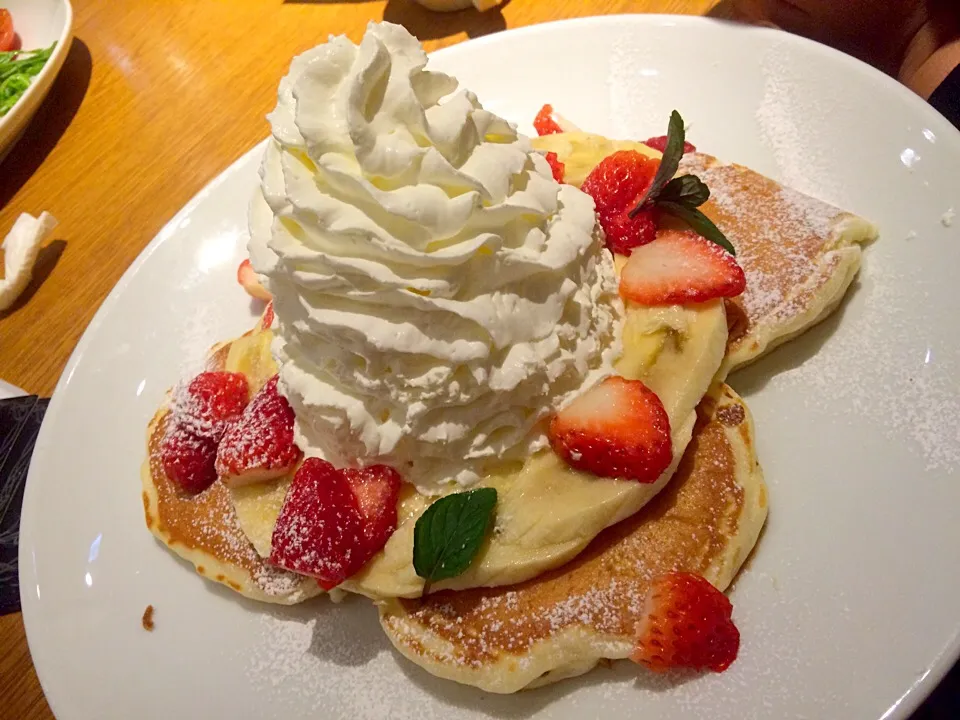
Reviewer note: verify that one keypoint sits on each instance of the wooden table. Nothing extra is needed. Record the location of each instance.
(156, 98)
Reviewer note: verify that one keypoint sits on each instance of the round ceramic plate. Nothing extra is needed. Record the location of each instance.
(848, 607)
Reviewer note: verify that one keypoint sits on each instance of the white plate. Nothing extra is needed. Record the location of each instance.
(848, 608)
(38, 23)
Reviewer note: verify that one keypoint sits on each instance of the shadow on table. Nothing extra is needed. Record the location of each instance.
(50, 123)
(725, 10)
(47, 260)
(429, 24)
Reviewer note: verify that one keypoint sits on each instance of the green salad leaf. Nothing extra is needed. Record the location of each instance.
(17, 70)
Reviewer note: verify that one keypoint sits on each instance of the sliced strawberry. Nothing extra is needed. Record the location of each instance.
(333, 521)
(210, 402)
(544, 123)
(259, 446)
(247, 277)
(660, 143)
(680, 267)
(556, 167)
(686, 623)
(266, 320)
(377, 488)
(319, 531)
(617, 429)
(617, 184)
(188, 459)
(199, 416)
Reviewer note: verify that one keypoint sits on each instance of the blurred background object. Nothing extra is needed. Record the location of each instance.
(916, 41)
(450, 5)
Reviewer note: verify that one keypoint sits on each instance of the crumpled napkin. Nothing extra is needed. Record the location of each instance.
(20, 253)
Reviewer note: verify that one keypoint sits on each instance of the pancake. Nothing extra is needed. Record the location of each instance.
(799, 254)
(563, 623)
(204, 529)
(547, 512)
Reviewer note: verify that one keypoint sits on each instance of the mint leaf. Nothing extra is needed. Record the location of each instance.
(669, 163)
(448, 536)
(699, 222)
(687, 190)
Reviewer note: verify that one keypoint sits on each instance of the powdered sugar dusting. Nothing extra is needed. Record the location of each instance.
(919, 398)
(782, 236)
(785, 118)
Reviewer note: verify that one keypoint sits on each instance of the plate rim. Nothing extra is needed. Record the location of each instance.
(901, 709)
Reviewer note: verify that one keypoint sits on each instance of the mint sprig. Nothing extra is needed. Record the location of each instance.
(669, 163)
(448, 536)
(681, 196)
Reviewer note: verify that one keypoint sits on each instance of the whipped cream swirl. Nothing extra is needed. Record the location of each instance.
(438, 295)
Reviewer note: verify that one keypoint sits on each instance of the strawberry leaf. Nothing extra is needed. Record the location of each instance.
(687, 190)
(699, 222)
(448, 536)
(669, 163)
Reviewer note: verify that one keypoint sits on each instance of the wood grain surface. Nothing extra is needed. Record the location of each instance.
(155, 99)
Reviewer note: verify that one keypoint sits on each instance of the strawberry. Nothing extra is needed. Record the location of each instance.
(660, 143)
(377, 488)
(260, 445)
(210, 402)
(617, 184)
(188, 459)
(333, 521)
(247, 277)
(680, 267)
(319, 531)
(544, 123)
(686, 623)
(199, 416)
(556, 167)
(616, 429)
(266, 320)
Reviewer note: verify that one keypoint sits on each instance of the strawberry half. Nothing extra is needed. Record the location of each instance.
(616, 429)
(247, 277)
(617, 184)
(259, 447)
(377, 488)
(680, 267)
(544, 122)
(200, 414)
(319, 531)
(687, 623)
(333, 521)
(188, 459)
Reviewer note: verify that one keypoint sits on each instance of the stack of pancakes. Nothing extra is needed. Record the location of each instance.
(560, 584)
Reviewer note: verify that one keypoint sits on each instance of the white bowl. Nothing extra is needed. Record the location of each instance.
(38, 23)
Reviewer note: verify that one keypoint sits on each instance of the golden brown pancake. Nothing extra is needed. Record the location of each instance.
(562, 623)
(203, 529)
(799, 254)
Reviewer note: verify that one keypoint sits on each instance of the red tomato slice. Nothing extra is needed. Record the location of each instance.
(8, 38)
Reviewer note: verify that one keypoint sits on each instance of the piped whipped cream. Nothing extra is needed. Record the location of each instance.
(437, 294)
